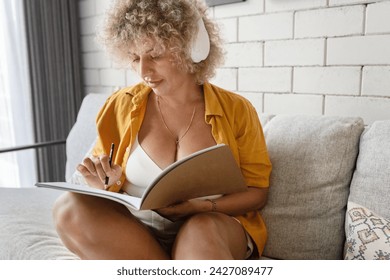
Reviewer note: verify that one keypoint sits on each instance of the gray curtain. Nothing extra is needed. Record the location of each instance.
(55, 74)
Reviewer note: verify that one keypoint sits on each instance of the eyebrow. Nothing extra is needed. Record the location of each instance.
(148, 51)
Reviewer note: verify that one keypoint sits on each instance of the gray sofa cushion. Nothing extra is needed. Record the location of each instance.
(265, 119)
(83, 132)
(26, 226)
(313, 159)
(370, 185)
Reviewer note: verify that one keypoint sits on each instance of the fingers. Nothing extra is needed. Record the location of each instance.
(101, 172)
(99, 167)
(87, 168)
(95, 167)
(105, 165)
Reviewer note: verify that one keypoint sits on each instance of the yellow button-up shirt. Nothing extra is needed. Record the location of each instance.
(233, 121)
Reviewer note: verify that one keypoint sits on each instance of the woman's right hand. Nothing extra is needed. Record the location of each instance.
(95, 170)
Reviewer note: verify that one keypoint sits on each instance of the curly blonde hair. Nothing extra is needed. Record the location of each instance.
(170, 23)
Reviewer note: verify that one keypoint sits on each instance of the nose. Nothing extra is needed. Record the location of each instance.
(144, 68)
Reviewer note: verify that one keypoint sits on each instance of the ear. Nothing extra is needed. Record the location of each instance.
(200, 44)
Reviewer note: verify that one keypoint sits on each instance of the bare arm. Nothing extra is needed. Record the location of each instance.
(232, 204)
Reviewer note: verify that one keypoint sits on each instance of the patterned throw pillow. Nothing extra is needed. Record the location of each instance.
(367, 234)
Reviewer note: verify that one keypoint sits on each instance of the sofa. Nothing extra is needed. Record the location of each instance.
(329, 191)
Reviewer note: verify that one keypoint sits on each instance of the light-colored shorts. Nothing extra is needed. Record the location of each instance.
(250, 245)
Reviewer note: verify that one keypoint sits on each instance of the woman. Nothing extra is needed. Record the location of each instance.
(175, 49)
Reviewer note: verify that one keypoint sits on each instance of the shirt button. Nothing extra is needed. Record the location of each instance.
(118, 182)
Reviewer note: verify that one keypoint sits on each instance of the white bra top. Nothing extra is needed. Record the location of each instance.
(141, 170)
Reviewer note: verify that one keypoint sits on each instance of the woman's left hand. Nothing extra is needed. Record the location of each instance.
(184, 209)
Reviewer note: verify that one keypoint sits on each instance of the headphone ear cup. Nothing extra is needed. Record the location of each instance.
(201, 43)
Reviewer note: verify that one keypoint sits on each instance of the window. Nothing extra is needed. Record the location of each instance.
(17, 169)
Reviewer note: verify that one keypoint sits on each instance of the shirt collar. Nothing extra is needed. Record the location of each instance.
(212, 103)
(139, 93)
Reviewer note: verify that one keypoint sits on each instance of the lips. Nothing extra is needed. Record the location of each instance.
(152, 83)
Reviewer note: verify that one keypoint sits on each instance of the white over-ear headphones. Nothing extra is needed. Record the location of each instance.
(200, 44)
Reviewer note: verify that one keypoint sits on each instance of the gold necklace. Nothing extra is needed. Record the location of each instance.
(177, 139)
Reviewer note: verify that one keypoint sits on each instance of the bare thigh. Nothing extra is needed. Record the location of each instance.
(96, 228)
(210, 236)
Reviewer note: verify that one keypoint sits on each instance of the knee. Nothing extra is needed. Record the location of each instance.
(210, 236)
(199, 231)
(204, 224)
(65, 213)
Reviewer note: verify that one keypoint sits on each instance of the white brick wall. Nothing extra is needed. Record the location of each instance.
(282, 23)
(378, 18)
(244, 54)
(348, 2)
(376, 81)
(228, 29)
(227, 77)
(288, 5)
(359, 50)
(239, 9)
(293, 104)
(327, 80)
(329, 22)
(294, 52)
(370, 109)
(265, 79)
(318, 57)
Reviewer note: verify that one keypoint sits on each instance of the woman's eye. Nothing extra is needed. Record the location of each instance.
(155, 56)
